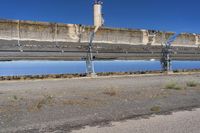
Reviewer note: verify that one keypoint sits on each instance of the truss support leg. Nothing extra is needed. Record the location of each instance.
(166, 60)
(89, 64)
(90, 68)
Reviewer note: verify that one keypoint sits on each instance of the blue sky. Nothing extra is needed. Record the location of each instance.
(167, 15)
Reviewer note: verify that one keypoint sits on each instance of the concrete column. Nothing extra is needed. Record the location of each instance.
(98, 19)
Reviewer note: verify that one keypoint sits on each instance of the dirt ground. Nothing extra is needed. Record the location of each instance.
(63, 105)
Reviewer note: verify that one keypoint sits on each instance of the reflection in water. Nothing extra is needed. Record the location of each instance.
(10, 68)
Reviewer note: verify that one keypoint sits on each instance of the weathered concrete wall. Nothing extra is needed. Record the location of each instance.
(186, 39)
(115, 36)
(8, 29)
(198, 39)
(38, 31)
(41, 31)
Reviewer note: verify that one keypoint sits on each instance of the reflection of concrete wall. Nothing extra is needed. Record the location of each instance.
(41, 31)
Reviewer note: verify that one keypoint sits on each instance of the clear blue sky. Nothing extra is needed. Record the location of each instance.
(168, 15)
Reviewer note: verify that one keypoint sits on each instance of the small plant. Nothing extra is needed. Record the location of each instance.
(173, 86)
(176, 71)
(15, 97)
(156, 109)
(46, 100)
(191, 84)
(110, 92)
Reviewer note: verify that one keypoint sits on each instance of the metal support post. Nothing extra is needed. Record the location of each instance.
(166, 54)
(166, 59)
(89, 58)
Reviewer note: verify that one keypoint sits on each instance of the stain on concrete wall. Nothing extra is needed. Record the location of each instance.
(36, 31)
(8, 30)
(198, 39)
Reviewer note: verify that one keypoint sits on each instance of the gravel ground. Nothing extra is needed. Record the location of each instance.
(67, 104)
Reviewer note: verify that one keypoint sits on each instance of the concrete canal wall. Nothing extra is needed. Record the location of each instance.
(52, 32)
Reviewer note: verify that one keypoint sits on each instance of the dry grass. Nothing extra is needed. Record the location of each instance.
(74, 102)
(15, 97)
(111, 91)
(173, 86)
(83, 102)
(156, 109)
(46, 100)
(191, 84)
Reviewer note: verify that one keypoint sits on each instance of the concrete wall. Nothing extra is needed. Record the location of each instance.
(198, 39)
(41, 31)
(8, 29)
(115, 36)
(186, 39)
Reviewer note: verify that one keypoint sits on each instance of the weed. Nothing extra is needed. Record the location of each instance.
(156, 109)
(74, 102)
(44, 101)
(191, 84)
(15, 97)
(111, 92)
(173, 86)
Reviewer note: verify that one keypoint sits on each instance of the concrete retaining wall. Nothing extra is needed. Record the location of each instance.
(41, 31)
(186, 39)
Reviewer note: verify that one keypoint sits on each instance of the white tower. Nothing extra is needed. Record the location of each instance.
(98, 16)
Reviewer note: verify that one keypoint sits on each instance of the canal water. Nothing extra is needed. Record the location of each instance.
(14, 68)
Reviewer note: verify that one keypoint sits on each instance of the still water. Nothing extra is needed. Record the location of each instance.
(11, 68)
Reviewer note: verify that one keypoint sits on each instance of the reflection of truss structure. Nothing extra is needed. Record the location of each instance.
(166, 53)
(166, 50)
(165, 58)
